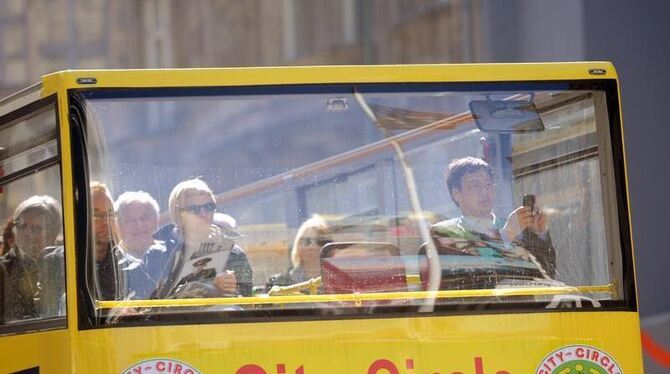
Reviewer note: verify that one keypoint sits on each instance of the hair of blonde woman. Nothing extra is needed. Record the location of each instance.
(181, 191)
(224, 220)
(316, 223)
(46, 205)
(132, 197)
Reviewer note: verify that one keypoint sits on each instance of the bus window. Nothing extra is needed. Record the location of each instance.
(32, 273)
(520, 214)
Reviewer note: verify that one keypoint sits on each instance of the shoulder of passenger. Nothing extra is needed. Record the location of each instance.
(5, 259)
(164, 233)
(157, 248)
(499, 222)
(158, 245)
(238, 250)
(53, 251)
(127, 264)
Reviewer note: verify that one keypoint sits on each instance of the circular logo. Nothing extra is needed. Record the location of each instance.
(578, 359)
(160, 365)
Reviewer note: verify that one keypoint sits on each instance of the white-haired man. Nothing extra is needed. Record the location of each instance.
(137, 217)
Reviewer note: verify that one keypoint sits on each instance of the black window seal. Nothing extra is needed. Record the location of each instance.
(33, 326)
(11, 118)
(80, 186)
(628, 303)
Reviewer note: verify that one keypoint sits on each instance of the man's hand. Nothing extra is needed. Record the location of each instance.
(539, 225)
(226, 282)
(522, 218)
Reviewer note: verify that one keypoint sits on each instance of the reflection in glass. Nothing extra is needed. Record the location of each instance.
(275, 160)
(32, 272)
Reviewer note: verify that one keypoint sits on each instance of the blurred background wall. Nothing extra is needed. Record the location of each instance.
(41, 36)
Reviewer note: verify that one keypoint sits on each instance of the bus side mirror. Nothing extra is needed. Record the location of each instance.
(506, 116)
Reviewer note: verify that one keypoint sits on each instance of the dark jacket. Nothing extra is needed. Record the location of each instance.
(18, 286)
(160, 264)
(51, 265)
(464, 238)
(113, 274)
(290, 277)
(134, 281)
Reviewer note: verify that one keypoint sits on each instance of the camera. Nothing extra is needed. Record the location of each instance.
(529, 202)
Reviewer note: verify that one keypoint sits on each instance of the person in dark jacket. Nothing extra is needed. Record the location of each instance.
(18, 279)
(137, 214)
(26, 288)
(114, 269)
(479, 232)
(192, 235)
(105, 276)
(305, 262)
(137, 218)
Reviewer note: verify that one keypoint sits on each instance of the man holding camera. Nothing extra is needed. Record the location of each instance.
(479, 232)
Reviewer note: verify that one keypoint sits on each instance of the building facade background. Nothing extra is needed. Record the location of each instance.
(42, 36)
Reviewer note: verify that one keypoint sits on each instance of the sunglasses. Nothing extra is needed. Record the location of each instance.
(196, 209)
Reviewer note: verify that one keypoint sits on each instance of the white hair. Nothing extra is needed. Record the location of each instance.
(132, 197)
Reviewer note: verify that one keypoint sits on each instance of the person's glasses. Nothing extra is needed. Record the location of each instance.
(196, 209)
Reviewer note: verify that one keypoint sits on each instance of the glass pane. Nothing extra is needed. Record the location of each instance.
(32, 273)
(28, 142)
(343, 191)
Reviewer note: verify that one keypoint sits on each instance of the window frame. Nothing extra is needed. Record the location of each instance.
(616, 181)
(25, 112)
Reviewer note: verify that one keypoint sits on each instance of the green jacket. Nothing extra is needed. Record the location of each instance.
(453, 237)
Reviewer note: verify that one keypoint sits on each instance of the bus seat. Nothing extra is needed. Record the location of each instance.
(363, 267)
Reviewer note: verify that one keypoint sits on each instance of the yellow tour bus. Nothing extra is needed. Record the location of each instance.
(454, 219)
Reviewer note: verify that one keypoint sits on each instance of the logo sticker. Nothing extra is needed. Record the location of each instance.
(578, 359)
(161, 366)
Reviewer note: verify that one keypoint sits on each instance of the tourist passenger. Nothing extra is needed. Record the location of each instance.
(307, 244)
(36, 225)
(478, 231)
(137, 217)
(305, 260)
(193, 236)
(113, 267)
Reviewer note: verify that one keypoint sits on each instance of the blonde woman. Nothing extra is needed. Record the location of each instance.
(305, 261)
(307, 244)
(192, 206)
